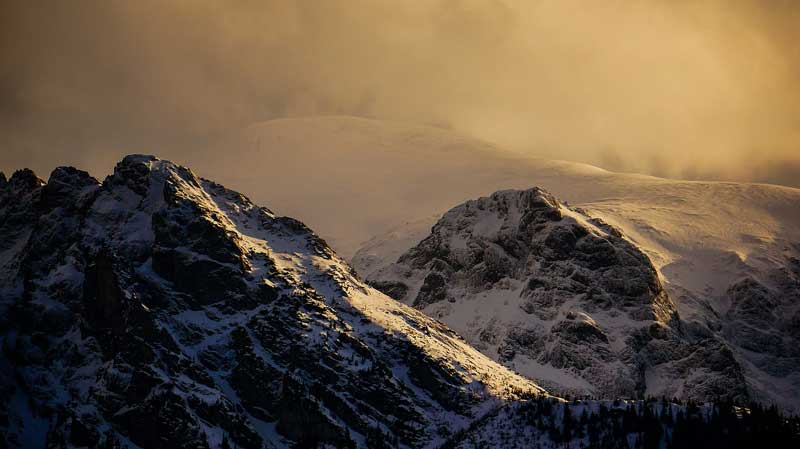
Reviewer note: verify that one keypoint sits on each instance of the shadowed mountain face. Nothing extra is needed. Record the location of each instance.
(560, 297)
(158, 309)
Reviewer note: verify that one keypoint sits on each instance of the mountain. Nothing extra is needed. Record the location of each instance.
(560, 297)
(726, 254)
(377, 185)
(159, 309)
(708, 241)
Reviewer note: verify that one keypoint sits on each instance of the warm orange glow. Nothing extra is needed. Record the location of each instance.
(684, 89)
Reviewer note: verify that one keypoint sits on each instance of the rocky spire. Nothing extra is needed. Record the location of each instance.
(65, 185)
(24, 181)
(133, 171)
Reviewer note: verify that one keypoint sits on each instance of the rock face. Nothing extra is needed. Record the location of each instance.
(762, 323)
(160, 310)
(560, 297)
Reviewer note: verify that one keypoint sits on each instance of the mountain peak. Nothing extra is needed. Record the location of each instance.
(557, 295)
(503, 234)
(24, 181)
(140, 172)
(165, 310)
(527, 199)
(138, 159)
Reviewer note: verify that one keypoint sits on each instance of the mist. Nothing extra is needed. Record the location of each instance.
(693, 90)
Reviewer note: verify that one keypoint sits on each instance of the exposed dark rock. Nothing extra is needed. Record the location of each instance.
(301, 420)
(164, 421)
(104, 300)
(529, 342)
(580, 332)
(752, 302)
(82, 435)
(133, 172)
(65, 186)
(391, 288)
(433, 289)
(206, 281)
(24, 181)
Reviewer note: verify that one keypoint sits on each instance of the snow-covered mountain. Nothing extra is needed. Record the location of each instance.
(703, 238)
(159, 309)
(727, 255)
(497, 280)
(562, 298)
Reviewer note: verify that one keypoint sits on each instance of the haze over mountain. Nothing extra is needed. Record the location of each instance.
(512, 202)
(388, 173)
(698, 90)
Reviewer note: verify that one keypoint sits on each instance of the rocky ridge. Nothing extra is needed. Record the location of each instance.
(158, 309)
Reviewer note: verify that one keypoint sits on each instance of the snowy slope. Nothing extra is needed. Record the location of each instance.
(159, 309)
(560, 297)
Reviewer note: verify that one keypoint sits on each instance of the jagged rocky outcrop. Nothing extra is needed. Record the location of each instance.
(560, 297)
(156, 309)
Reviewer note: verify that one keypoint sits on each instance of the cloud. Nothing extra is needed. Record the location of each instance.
(674, 88)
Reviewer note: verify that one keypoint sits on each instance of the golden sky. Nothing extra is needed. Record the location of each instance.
(679, 88)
